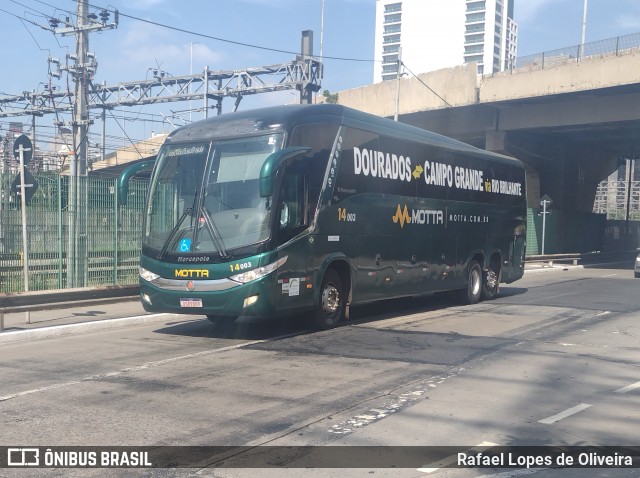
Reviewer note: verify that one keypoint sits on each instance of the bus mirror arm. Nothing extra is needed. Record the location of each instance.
(273, 162)
(126, 175)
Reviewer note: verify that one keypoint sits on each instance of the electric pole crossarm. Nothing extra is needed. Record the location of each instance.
(35, 104)
(305, 74)
(286, 76)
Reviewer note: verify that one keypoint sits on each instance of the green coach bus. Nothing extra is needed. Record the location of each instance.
(314, 208)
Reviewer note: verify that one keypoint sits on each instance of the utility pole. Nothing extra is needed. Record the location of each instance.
(78, 187)
(307, 88)
(83, 70)
(398, 76)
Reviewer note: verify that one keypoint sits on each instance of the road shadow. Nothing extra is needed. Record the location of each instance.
(252, 328)
(242, 328)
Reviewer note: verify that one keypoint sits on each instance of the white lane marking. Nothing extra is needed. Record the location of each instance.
(606, 312)
(36, 390)
(374, 414)
(610, 275)
(628, 388)
(145, 366)
(450, 460)
(565, 414)
(95, 325)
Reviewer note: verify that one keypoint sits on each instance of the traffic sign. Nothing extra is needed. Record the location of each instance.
(546, 199)
(30, 186)
(27, 148)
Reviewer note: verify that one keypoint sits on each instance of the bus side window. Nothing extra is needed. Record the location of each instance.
(294, 207)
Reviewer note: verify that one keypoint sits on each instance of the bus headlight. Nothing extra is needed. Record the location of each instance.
(254, 274)
(147, 275)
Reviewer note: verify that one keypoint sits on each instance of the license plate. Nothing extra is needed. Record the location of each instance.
(190, 302)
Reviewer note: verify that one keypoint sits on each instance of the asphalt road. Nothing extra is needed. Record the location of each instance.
(553, 361)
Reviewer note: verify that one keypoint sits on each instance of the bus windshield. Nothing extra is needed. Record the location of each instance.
(205, 197)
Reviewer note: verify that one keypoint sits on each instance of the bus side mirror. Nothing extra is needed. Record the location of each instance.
(126, 175)
(273, 163)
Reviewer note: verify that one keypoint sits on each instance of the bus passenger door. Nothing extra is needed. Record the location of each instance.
(293, 218)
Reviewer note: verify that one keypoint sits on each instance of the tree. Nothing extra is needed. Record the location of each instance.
(331, 98)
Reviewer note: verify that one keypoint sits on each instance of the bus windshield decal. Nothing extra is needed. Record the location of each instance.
(185, 151)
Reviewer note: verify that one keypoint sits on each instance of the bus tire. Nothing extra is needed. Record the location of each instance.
(330, 309)
(490, 284)
(471, 295)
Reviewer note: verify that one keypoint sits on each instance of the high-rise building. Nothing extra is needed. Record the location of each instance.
(435, 34)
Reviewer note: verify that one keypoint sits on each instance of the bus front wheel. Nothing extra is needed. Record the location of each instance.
(471, 295)
(330, 309)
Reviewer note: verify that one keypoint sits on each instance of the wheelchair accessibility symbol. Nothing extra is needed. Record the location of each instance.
(185, 245)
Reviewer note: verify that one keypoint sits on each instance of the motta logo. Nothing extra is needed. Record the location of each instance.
(401, 216)
(417, 216)
(190, 273)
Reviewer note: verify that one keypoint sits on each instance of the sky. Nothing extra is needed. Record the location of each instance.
(131, 51)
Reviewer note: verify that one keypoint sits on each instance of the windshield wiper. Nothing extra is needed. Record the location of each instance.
(215, 234)
(189, 210)
(173, 232)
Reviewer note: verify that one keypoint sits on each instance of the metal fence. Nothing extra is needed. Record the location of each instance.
(106, 241)
(621, 45)
(614, 199)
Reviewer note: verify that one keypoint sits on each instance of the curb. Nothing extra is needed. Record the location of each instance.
(45, 300)
(67, 329)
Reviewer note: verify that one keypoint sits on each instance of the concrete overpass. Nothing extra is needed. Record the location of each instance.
(569, 123)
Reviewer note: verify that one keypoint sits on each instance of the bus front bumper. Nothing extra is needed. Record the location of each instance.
(223, 298)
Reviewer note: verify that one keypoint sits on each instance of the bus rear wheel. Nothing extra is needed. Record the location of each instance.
(330, 309)
(491, 284)
(471, 295)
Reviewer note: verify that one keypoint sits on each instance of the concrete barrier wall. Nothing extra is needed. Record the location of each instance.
(460, 86)
(591, 74)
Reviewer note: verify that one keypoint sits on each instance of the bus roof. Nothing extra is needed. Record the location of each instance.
(278, 118)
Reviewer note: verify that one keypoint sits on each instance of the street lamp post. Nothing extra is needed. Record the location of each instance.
(584, 30)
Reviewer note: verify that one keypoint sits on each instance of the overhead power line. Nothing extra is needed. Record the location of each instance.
(22, 18)
(233, 42)
(425, 85)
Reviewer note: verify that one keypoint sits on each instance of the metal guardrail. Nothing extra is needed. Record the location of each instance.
(617, 46)
(583, 258)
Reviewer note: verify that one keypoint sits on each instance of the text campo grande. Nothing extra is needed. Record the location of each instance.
(98, 459)
(378, 164)
(590, 459)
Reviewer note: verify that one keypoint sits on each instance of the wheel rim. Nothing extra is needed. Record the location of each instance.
(492, 280)
(476, 281)
(330, 299)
